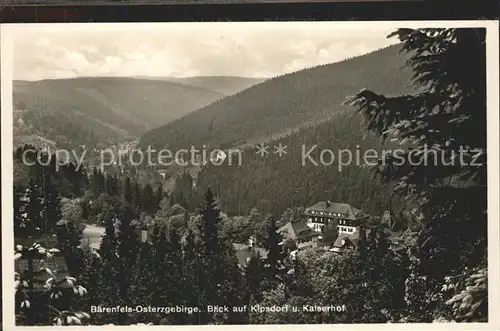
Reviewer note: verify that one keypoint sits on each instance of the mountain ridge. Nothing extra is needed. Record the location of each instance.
(101, 110)
(279, 105)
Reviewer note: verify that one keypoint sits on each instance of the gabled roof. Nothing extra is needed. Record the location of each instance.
(346, 239)
(337, 208)
(298, 230)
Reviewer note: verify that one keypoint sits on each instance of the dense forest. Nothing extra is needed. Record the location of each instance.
(190, 261)
(278, 106)
(274, 183)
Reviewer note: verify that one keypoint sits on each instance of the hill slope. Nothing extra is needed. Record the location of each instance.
(281, 105)
(227, 85)
(299, 110)
(101, 110)
(274, 183)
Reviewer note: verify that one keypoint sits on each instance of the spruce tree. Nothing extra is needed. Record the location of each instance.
(144, 288)
(182, 193)
(173, 284)
(158, 197)
(127, 190)
(148, 199)
(274, 258)
(127, 249)
(192, 270)
(253, 273)
(92, 280)
(33, 209)
(298, 282)
(232, 290)
(138, 200)
(51, 205)
(69, 236)
(211, 256)
(21, 224)
(159, 252)
(97, 182)
(110, 269)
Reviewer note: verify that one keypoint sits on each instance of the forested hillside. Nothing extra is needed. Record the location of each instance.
(226, 85)
(101, 110)
(279, 105)
(273, 183)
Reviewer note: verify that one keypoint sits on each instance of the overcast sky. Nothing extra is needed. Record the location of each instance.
(185, 49)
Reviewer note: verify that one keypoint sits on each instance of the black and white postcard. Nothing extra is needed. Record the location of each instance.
(291, 173)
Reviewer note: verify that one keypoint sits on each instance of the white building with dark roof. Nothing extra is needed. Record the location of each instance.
(348, 220)
(325, 212)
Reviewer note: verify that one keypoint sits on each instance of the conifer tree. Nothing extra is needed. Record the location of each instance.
(143, 287)
(174, 287)
(148, 199)
(110, 269)
(137, 196)
(253, 272)
(92, 279)
(158, 197)
(182, 193)
(212, 256)
(69, 236)
(21, 225)
(192, 271)
(114, 186)
(159, 251)
(33, 209)
(232, 289)
(51, 205)
(127, 190)
(446, 177)
(127, 249)
(97, 182)
(298, 281)
(93, 182)
(274, 259)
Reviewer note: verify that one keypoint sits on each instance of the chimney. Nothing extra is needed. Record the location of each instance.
(328, 203)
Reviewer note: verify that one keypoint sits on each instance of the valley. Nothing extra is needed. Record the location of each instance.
(104, 111)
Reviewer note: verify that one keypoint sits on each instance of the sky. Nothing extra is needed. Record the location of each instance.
(185, 49)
